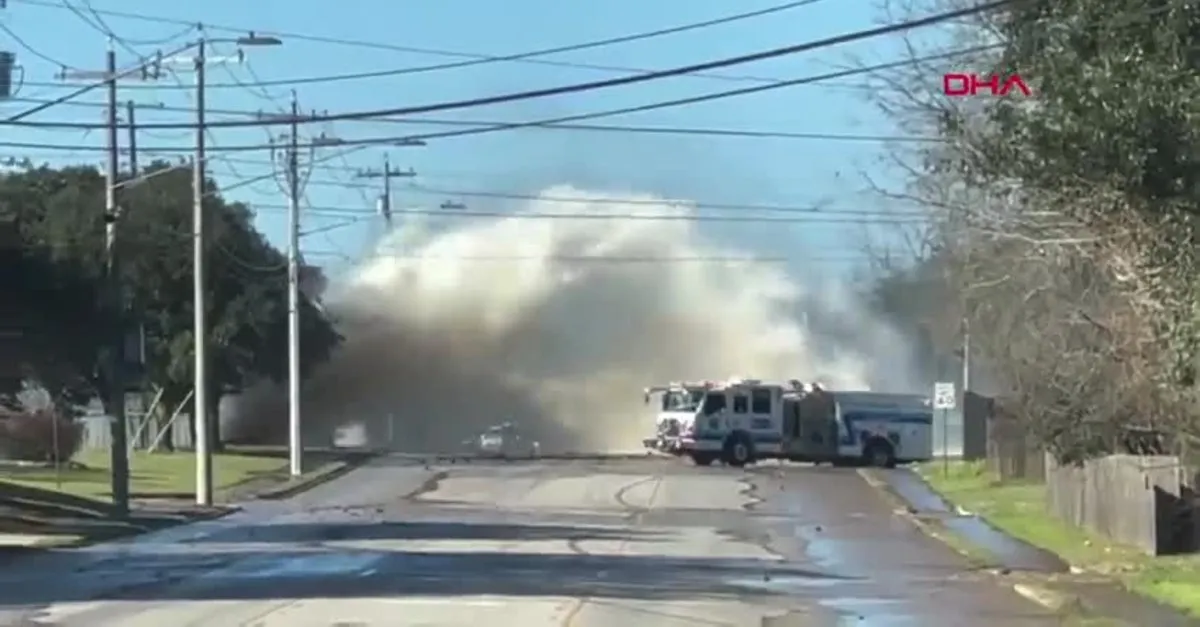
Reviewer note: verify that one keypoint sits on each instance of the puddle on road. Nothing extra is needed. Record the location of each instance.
(869, 612)
(826, 552)
(300, 566)
(786, 584)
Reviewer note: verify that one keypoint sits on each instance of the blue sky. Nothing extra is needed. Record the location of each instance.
(707, 169)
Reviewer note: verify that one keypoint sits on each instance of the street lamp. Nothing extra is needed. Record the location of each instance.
(200, 398)
(109, 77)
(254, 39)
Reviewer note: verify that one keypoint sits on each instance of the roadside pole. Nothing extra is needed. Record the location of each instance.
(295, 441)
(294, 183)
(944, 400)
(387, 174)
(199, 61)
(292, 187)
(130, 109)
(200, 417)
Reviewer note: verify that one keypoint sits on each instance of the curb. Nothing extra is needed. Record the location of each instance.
(901, 506)
(1047, 598)
(127, 534)
(467, 458)
(905, 510)
(324, 474)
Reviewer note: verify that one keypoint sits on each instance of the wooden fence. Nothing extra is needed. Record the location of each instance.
(1145, 501)
(1012, 453)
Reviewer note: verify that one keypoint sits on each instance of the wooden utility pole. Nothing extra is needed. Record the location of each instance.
(133, 156)
(387, 174)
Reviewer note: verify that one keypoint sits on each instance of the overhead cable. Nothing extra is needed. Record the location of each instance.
(582, 87)
(533, 53)
(530, 57)
(602, 128)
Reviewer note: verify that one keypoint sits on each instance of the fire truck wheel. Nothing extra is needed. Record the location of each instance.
(880, 454)
(738, 450)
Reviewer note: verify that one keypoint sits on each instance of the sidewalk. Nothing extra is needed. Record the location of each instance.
(1034, 573)
(1102, 598)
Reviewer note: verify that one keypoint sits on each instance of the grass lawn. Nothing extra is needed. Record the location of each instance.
(151, 474)
(1019, 510)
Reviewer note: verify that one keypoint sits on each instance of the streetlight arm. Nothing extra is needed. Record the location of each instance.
(253, 39)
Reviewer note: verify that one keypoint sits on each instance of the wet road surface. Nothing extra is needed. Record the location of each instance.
(923, 501)
(652, 542)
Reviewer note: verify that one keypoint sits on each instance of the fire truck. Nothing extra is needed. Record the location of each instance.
(741, 421)
(677, 407)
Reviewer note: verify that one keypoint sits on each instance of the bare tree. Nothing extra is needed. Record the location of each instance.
(1078, 286)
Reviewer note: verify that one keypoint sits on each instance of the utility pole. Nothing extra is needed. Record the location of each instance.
(119, 426)
(387, 174)
(115, 358)
(200, 385)
(113, 363)
(292, 189)
(293, 184)
(133, 156)
(295, 443)
(200, 297)
(120, 434)
(966, 355)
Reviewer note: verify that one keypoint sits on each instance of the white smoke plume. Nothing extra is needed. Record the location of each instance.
(454, 329)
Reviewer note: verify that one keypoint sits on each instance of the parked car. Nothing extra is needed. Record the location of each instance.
(503, 441)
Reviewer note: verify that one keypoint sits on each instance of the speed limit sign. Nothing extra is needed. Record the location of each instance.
(944, 396)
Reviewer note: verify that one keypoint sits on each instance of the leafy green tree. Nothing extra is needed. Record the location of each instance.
(1068, 219)
(61, 216)
(52, 291)
(1117, 114)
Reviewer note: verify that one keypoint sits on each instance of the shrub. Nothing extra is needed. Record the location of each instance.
(40, 436)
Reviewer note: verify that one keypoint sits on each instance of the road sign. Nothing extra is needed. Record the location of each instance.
(944, 396)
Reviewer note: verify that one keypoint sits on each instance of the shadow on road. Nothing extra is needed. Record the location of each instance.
(295, 574)
(350, 531)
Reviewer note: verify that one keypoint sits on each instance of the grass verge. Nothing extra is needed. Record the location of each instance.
(151, 474)
(1019, 510)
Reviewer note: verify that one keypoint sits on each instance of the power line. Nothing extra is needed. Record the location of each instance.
(593, 85)
(30, 49)
(560, 121)
(667, 104)
(815, 210)
(811, 217)
(477, 59)
(16, 120)
(647, 130)
(607, 259)
(620, 128)
(536, 53)
(103, 26)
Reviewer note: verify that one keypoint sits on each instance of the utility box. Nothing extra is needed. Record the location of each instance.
(8, 62)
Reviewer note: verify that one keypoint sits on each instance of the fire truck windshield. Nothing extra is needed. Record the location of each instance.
(682, 400)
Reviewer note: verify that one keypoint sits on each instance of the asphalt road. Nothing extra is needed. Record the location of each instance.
(652, 543)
